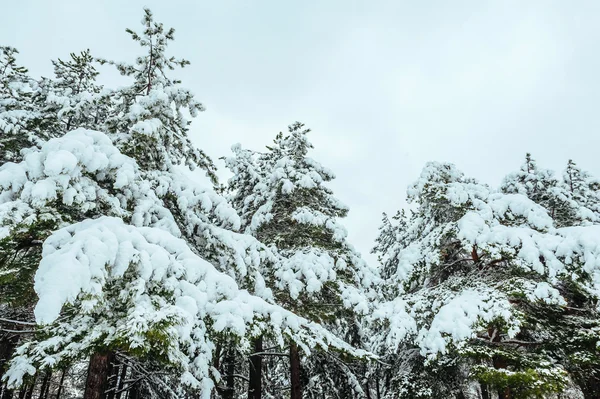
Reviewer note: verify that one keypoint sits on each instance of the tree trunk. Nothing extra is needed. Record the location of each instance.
(113, 378)
(97, 378)
(45, 385)
(295, 370)
(29, 393)
(134, 392)
(6, 393)
(255, 371)
(8, 344)
(121, 381)
(60, 384)
(229, 391)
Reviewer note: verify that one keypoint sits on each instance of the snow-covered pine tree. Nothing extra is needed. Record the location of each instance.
(21, 126)
(124, 269)
(544, 188)
(491, 297)
(75, 96)
(143, 120)
(584, 190)
(22, 123)
(389, 241)
(284, 202)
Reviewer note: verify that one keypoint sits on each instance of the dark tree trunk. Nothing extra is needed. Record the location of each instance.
(387, 382)
(97, 378)
(60, 384)
(134, 392)
(217, 357)
(295, 370)
(29, 393)
(230, 379)
(8, 344)
(45, 385)
(6, 393)
(255, 371)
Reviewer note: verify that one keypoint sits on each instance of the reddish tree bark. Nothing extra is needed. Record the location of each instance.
(98, 373)
(295, 370)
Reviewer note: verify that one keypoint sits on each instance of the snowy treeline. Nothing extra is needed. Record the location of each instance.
(121, 276)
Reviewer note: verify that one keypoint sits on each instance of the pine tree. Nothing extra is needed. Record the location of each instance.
(285, 203)
(21, 122)
(135, 271)
(392, 236)
(488, 295)
(584, 190)
(22, 125)
(143, 119)
(75, 97)
(541, 186)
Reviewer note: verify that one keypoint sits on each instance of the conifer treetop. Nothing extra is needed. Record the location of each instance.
(149, 121)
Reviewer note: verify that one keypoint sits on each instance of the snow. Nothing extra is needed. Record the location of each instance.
(78, 169)
(459, 217)
(454, 321)
(165, 282)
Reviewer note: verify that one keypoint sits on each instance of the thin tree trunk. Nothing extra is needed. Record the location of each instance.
(255, 371)
(8, 344)
(296, 388)
(29, 393)
(113, 378)
(45, 384)
(6, 393)
(97, 378)
(60, 384)
(230, 379)
(134, 392)
(47, 392)
(121, 381)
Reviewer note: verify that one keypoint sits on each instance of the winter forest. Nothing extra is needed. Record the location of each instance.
(121, 277)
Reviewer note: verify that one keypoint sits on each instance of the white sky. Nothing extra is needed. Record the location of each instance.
(385, 85)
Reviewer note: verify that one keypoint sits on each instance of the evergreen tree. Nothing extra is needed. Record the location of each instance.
(21, 122)
(130, 273)
(584, 190)
(541, 186)
(285, 203)
(149, 116)
(75, 97)
(488, 295)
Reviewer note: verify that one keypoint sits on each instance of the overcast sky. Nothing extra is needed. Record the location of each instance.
(385, 85)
